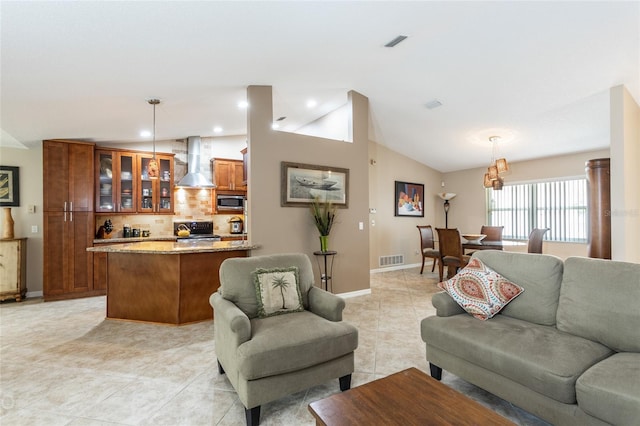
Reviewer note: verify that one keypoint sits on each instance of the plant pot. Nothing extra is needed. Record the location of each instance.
(324, 240)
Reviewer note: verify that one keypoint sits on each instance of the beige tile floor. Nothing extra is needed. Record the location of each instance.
(62, 363)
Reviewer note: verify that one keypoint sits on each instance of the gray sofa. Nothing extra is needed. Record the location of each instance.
(567, 349)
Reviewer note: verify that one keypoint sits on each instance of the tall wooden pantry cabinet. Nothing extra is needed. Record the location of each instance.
(69, 226)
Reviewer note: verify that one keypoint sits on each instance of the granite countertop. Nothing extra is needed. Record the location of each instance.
(173, 247)
(134, 239)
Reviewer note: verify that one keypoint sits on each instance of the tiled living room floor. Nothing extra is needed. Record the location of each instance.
(62, 363)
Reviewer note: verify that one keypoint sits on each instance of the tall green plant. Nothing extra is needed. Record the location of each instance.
(324, 214)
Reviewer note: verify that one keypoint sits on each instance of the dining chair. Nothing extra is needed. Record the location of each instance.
(493, 233)
(427, 247)
(535, 240)
(451, 254)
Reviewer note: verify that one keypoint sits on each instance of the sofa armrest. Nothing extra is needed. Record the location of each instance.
(325, 304)
(230, 317)
(445, 305)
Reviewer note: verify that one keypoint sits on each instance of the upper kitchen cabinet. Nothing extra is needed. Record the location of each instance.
(228, 174)
(116, 181)
(68, 176)
(155, 195)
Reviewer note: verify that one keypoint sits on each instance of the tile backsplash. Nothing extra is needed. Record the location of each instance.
(190, 204)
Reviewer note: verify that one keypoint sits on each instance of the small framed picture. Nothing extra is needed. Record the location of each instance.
(9, 186)
(302, 183)
(409, 199)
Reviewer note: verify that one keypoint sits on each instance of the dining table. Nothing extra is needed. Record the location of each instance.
(491, 245)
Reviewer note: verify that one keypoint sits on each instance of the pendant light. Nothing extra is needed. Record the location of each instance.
(153, 169)
(492, 178)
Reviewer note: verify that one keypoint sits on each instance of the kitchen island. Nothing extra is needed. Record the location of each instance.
(165, 281)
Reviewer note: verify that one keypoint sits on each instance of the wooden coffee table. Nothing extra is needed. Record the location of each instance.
(409, 397)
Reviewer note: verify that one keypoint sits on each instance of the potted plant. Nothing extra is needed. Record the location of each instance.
(324, 213)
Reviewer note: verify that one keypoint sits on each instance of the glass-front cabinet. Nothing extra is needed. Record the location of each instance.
(123, 184)
(155, 195)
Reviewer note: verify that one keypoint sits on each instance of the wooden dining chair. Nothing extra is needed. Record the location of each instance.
(451, 254)
(427, 247)
(535, 240)
(493, 233)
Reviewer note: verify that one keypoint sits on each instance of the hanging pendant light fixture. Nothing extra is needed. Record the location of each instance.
(492, 178)
(153, 169)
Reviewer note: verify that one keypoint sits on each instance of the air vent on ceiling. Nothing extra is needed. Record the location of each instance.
(432, 104)
(396, 41)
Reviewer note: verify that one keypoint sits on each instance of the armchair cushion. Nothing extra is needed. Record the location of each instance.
(286, 343)
(278, 291)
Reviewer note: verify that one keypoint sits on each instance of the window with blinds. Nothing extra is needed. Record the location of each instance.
(558, 205)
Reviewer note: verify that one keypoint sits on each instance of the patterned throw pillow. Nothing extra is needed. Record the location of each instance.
(277, 291)
(480, 291)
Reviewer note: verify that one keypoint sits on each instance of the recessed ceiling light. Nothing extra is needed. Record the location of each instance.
(145, 133)
(217, 129)
(311, 103)
(275, 126)
(396, 41)
(243, 104)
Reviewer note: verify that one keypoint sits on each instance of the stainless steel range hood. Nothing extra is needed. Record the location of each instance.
(193, 178)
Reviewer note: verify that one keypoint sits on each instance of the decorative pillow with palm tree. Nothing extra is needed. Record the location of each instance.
(277, 291)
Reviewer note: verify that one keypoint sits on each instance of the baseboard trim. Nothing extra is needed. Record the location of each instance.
(356, 293)
(34, 294)
(396, 268)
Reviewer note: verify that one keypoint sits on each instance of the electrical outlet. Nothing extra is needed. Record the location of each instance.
(361, 226)
(417, 252)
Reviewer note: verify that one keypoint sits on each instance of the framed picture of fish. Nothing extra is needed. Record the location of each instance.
(302, 183)
(9, 186)
(409, 199)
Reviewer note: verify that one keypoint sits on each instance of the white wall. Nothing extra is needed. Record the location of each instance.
(30, 163)
(625, 175)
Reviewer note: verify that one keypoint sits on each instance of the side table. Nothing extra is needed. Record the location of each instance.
(327, 272)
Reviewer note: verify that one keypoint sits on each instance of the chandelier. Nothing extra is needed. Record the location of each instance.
(153, 170)
(498, 167)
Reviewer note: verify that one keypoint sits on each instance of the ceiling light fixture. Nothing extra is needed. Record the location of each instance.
(217, 129)
(312, 103)
(243, 104)
(492, 178)
(396, 41)
(153, 170)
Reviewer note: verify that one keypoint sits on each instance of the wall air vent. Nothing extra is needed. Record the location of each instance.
(393, 260)
(396, 41)
(434, 103)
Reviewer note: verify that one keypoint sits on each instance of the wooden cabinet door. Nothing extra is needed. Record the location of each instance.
(239, 183)
(55, 167)
(81, 177)
(68, 266)
(55, 249)
(68, 176)
(223, 174)
(155, 195)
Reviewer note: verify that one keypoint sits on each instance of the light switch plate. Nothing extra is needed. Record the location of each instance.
(34, 229)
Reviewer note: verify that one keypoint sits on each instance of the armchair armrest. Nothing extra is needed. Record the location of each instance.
(231, 317)
(445, 305)
(325, 304)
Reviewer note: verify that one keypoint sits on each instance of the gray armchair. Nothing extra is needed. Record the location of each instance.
(268, 358)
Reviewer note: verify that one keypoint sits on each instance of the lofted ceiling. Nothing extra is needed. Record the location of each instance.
(536, 73)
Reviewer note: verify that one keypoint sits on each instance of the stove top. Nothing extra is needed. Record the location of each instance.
(198, 229)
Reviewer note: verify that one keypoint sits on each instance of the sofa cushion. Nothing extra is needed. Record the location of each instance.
(539, 357)
(277, 291)
(599, 301)
(539, 274)
(286, 343)
(479, 290)
(610, 390)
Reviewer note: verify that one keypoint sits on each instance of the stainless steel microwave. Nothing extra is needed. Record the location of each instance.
(231, 202)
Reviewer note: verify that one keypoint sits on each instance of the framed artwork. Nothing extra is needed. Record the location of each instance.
(9, 186)
(301, 183)
(409, 199)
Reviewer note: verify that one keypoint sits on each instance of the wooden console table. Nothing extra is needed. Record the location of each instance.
(409, 397)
